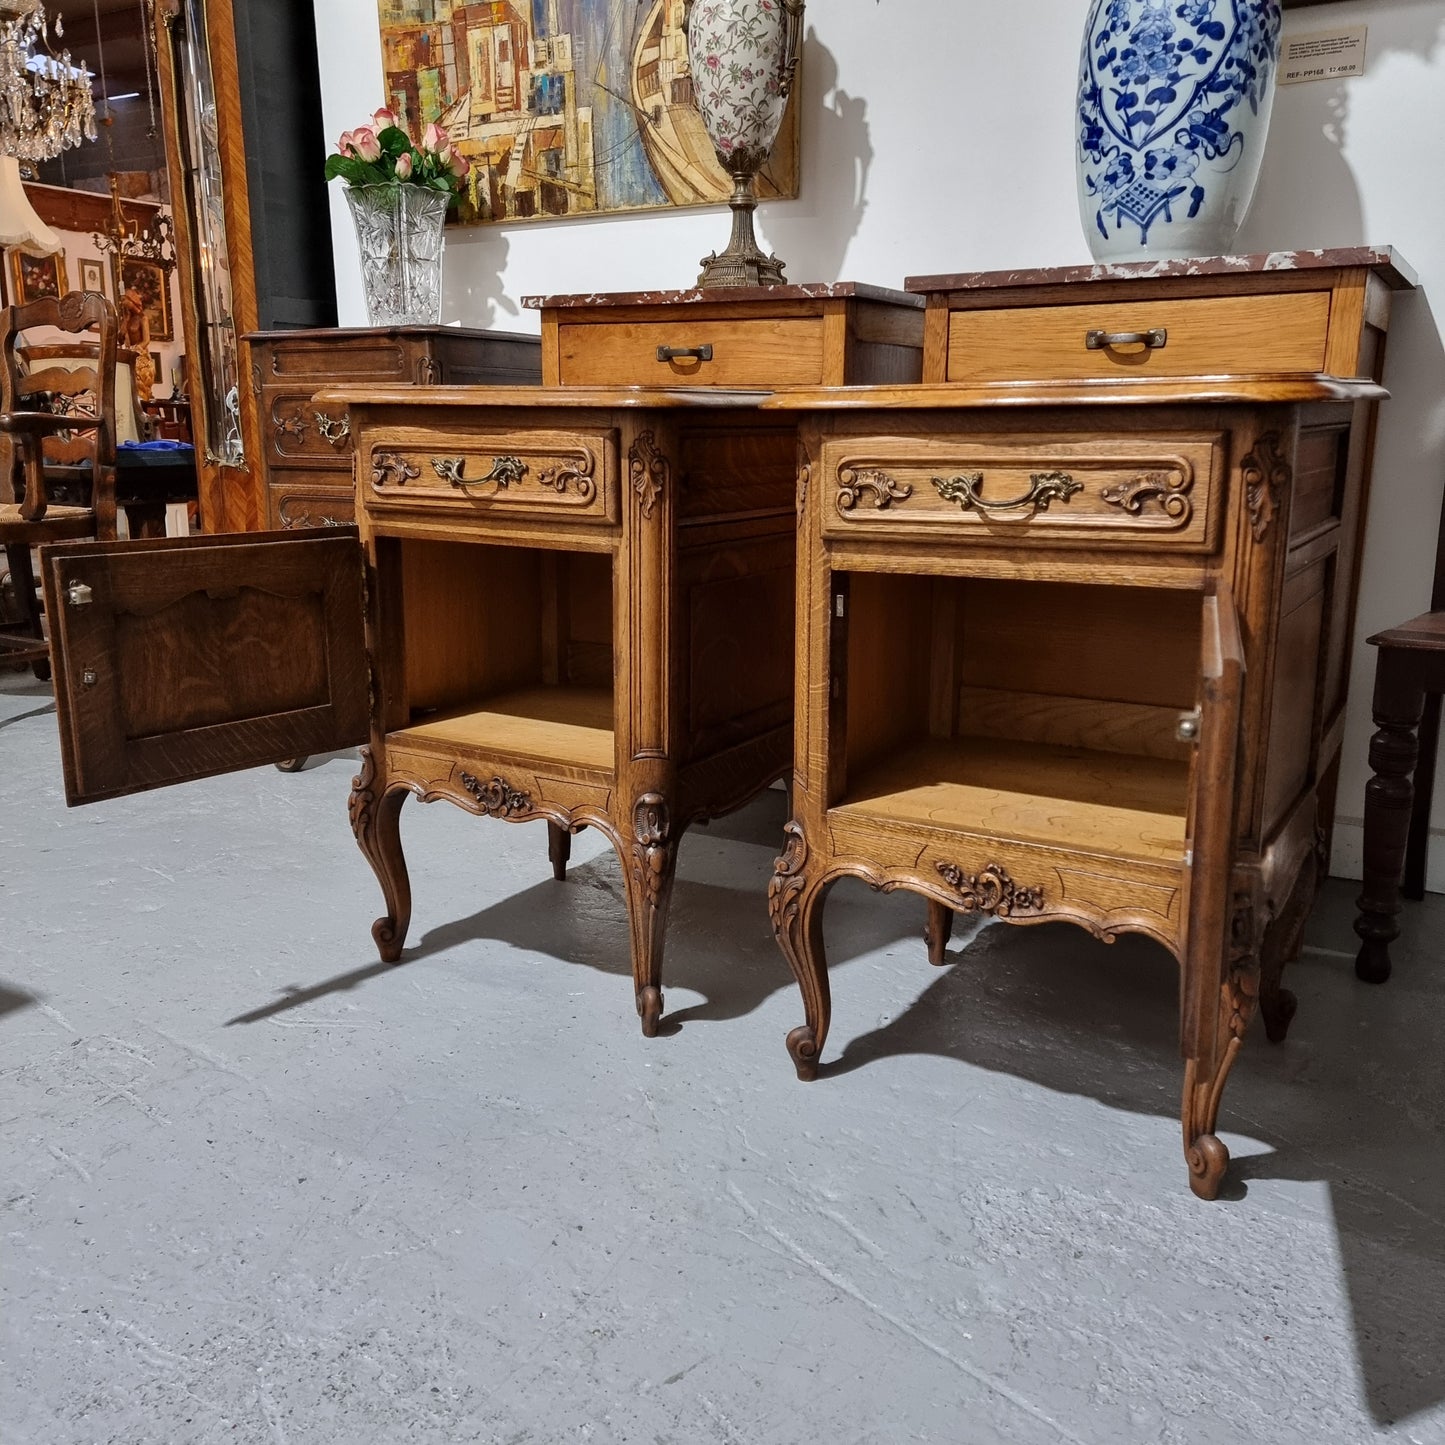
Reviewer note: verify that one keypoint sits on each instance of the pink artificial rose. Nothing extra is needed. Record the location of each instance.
(436, 139)
(458, 164)
(403, 166)
(365, 143)
(384, 118)
(345, 143)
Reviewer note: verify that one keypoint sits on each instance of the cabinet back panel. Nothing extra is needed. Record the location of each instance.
(472, 619)
(1109, 644)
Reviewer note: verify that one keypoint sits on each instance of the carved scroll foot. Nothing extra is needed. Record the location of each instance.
(376, 822)
(803, 1046)
(649, 1010)
(795, 905)
(559, 850)
(937, 931)
(1208, 1161)
(648, 875)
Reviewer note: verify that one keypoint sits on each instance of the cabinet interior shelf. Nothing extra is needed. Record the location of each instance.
(567, 725)
(1118, 804)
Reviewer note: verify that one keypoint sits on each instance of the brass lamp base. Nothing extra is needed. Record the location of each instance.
(742, 264)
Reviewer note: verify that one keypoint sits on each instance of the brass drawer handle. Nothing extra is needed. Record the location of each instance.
(683, 353)
(1108, 340)
(505, 471)
(1044, 487)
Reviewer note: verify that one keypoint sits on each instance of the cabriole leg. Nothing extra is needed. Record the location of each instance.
(376, 822)
(1208, 1061)
(648, 875)
(795, 905)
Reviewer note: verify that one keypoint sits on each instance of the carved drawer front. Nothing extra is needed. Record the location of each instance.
(299, 432)
(1141, 492)
(297, 501)
(761, 351)
(564, 476)
(337, 359)
(1191, 336)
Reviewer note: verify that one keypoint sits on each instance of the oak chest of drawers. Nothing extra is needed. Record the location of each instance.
(306, 463)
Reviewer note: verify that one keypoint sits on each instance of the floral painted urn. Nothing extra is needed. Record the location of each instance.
(743, 55)
(1174, 102)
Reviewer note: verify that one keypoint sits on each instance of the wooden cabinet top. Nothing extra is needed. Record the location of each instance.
(1385, 261)
(344, 335)
(696, 296)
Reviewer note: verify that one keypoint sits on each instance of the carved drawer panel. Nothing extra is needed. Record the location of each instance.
(340, 355)
(298, 501)
(299, 432)
(566, 476)
(1143, 492)
(757, 351)
(1186, 336)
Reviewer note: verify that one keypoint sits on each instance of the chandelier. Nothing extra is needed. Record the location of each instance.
(45, 100)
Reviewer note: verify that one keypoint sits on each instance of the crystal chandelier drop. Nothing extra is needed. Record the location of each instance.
(45, 100)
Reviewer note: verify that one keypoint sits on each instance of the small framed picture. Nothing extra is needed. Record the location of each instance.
(92, 275)
(33, 278)
(153, 283)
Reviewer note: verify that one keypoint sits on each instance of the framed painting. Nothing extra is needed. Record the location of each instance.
(153, 283)
(92, 275)
(33, 278)
(564, 110)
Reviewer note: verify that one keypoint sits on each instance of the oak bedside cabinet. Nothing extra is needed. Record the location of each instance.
(576, 610)
(1075, 646)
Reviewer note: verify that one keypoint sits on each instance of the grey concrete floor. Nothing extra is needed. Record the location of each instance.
(259, 1187)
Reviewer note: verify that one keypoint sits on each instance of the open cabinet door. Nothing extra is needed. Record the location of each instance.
(1212, 836)
(181, 659)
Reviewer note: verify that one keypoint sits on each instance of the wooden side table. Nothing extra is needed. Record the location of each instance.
(576, 610)
(1061, 655)
(1410, 667)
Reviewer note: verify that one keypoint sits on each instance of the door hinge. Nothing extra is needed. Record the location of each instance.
(840, 605)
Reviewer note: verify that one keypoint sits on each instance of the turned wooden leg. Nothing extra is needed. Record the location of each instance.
(376, 821)
(937, 931)
(559, 850)
(648, 875)
(1399, 701)
(795, 905)
(27, 601)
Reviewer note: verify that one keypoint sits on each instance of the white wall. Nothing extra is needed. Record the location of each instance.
(939, 137)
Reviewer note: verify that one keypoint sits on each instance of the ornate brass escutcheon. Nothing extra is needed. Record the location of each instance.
(335, 432)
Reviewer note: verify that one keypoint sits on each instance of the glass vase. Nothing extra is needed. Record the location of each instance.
(399, 233)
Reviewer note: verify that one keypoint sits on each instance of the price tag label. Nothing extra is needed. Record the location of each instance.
(1323, 55)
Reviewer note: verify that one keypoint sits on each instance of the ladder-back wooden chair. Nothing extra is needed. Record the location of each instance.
(57, 444)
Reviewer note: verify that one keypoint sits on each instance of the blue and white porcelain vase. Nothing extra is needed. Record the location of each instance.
(1174, 102)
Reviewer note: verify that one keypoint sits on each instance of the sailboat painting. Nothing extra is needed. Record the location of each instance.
(564, 107)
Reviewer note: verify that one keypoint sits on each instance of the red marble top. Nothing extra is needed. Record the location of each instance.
(807, 291)
(1388, 262)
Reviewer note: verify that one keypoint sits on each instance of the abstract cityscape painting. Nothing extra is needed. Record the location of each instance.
(563, 107)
